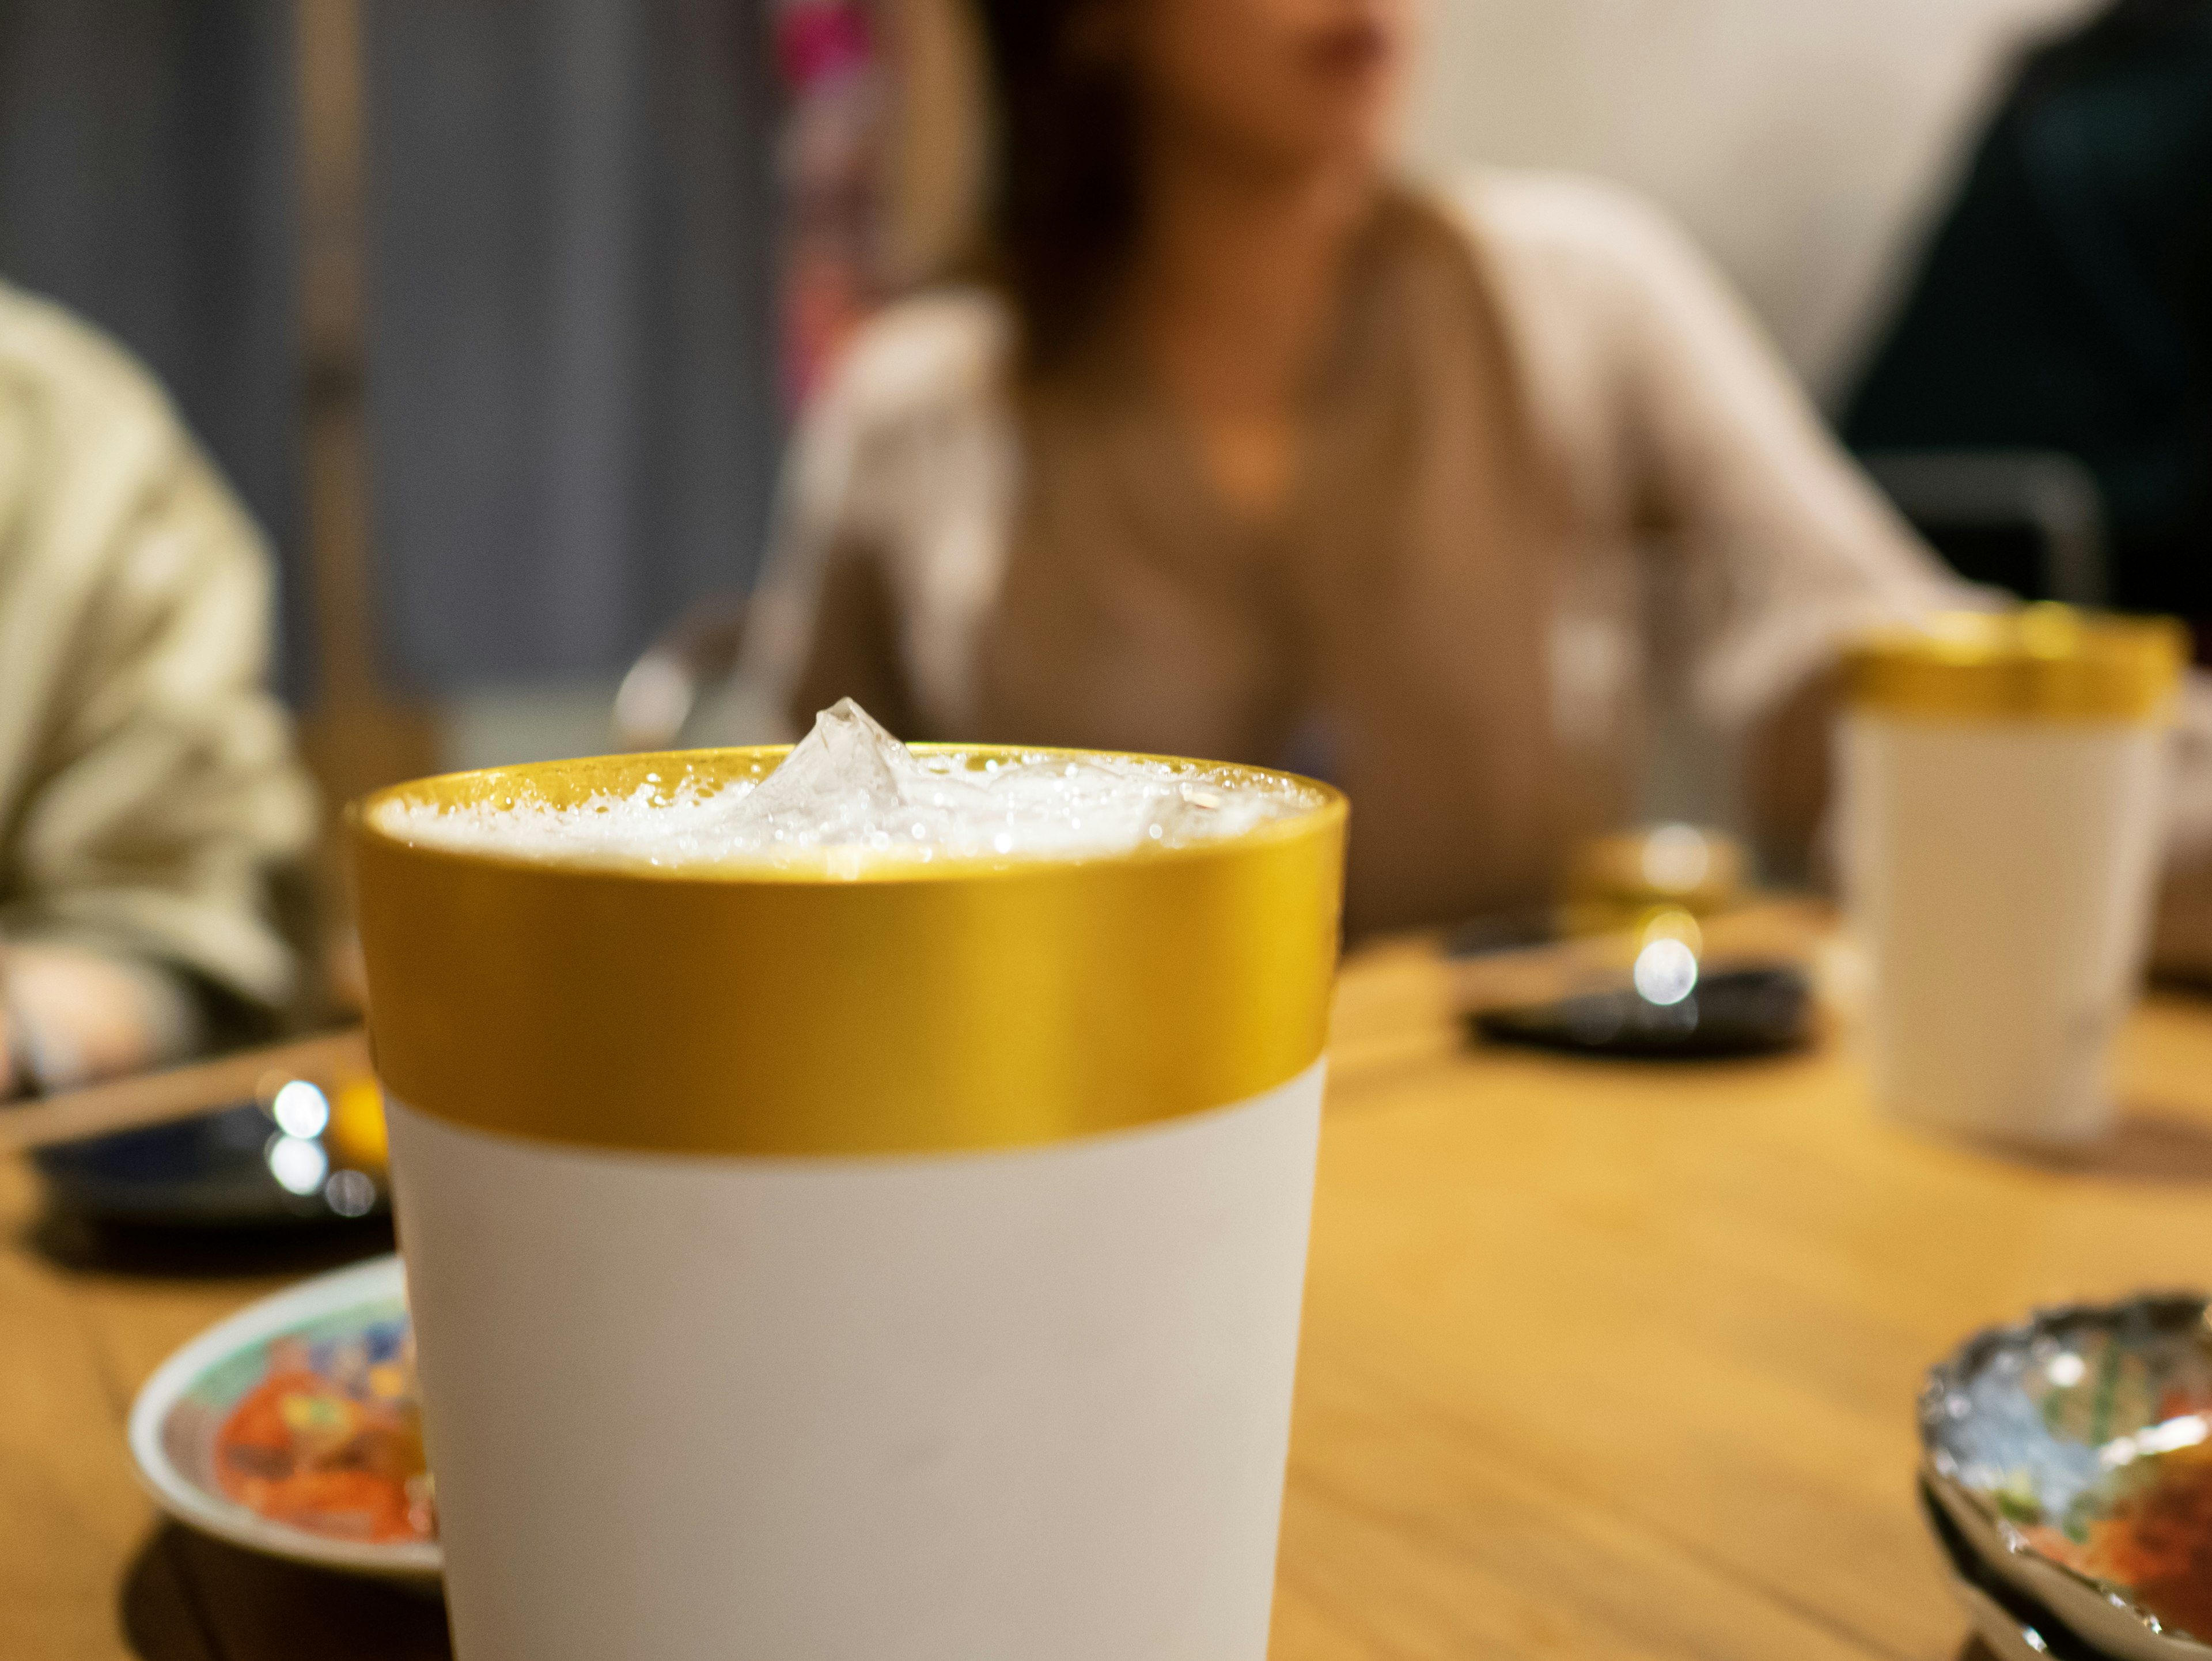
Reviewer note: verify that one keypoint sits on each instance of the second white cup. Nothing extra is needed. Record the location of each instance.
(2004, 799)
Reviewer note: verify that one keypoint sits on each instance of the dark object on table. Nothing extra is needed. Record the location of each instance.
(1743, 1011)
(230, 1169)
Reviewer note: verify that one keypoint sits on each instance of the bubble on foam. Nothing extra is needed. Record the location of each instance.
(850, 797)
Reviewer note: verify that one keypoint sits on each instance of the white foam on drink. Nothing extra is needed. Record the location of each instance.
(850, 797)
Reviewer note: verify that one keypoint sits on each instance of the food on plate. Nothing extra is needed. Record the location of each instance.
(2149, 1526)
(331, 1439)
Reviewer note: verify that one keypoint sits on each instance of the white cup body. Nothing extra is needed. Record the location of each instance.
(1999, 873)
(996, 1406)
(839, 1259)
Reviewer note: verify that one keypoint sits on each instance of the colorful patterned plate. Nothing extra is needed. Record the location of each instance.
(361, 1311)
(2040, 1442)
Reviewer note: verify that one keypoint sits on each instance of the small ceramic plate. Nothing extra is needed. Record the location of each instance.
(363, 1311)
(2040, 1440)
(2014, 1626)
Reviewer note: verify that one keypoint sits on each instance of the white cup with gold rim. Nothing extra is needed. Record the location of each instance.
(2003, 794)
(854, 1262)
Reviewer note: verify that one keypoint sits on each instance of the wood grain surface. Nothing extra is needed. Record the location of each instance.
(1599, 1359)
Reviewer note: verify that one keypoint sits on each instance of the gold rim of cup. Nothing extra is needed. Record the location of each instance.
(2040, 662)
(963, 1006)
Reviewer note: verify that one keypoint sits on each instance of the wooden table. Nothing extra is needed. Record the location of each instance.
(1600, 1361)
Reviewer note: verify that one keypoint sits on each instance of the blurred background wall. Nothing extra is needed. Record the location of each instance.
(1804, 143)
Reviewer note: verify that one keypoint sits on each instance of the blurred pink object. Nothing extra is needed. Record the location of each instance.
(832, 278)
(818, 39)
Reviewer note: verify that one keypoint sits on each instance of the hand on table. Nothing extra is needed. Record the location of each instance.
(71, 1014)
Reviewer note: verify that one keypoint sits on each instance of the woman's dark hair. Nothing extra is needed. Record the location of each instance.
(1062, 211)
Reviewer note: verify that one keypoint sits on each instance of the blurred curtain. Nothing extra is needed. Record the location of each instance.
(571, 354)
(146, 181)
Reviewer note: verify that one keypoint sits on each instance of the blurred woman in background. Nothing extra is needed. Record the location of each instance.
(149, 801)
(1235, 446)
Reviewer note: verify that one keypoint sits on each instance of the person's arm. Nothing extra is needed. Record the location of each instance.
(1734, 466)
(882, 511)
(158, 796)
(823, 623)
(817, 528)
(1739, 465)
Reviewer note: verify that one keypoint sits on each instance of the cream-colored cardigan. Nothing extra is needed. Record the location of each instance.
(147, 787)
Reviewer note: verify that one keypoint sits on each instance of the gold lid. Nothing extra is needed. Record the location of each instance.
(966, 1005)
(2041, 662)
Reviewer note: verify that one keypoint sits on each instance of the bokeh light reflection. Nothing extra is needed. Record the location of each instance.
(300, 1110)
(298, 1165)
(1666, 971)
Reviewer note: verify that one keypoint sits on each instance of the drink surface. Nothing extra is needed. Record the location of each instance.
(850, 798)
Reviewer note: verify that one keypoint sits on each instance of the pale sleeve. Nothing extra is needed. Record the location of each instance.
(1738, 464)
(888, 521)
(165, 799)
(819, 511)
(1735, 465)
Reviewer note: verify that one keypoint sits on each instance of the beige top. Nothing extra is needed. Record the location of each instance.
(1550, 465)
(148, 788)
